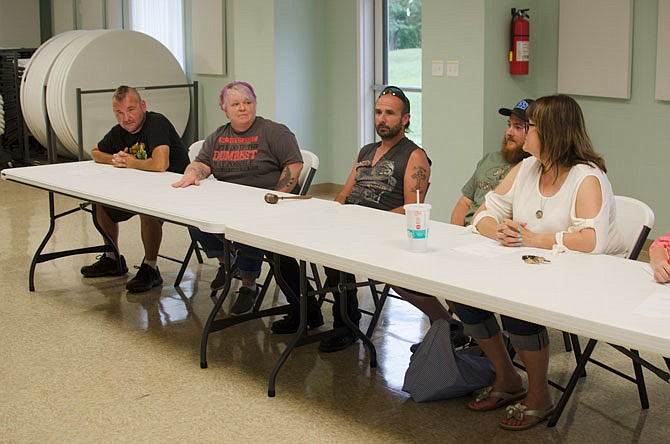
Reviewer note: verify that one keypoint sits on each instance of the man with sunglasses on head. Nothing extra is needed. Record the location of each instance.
(490, 171)
(385, 176)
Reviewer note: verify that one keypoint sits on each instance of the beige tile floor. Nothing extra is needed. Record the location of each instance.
(83, 361)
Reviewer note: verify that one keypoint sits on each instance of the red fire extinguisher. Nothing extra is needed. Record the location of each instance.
(519, 42)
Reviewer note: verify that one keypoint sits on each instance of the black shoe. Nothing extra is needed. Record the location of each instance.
(220, 279)
(290, 323)
(245, 300)
(337, 343)
(105, 266)
(145, 279)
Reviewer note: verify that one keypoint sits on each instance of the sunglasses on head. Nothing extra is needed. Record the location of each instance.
(395, 91)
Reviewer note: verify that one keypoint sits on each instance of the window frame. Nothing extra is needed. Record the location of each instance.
(373, 63)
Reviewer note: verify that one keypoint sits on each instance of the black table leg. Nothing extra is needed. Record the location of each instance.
(302, 326)
(344, 313)
(217, 305)
(579, 370)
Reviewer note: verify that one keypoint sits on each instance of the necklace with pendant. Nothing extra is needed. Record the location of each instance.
(539, 213)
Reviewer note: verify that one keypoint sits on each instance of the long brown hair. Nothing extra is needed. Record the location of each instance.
(560, 126)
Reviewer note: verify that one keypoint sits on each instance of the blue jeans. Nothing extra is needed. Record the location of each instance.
(248, 263)
(482, 324)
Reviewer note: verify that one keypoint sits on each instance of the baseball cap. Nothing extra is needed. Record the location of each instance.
(519, 109)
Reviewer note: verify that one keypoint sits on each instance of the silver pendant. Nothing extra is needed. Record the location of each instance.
(539, 214)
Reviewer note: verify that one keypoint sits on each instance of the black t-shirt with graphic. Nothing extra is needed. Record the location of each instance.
(156, 131)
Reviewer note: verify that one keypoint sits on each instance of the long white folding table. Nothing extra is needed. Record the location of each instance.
(209, 207)
(590, 295)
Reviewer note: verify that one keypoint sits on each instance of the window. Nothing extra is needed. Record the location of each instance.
(165, 23)
(398, 53)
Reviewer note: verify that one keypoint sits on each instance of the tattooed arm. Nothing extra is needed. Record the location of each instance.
(289, 177)
(195, 172)
(417, 176)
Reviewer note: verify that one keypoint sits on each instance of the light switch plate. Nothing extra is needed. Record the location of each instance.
(452, 68)
(438, 68)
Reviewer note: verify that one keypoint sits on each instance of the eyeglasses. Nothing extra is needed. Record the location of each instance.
(527, 125)
(395, 91)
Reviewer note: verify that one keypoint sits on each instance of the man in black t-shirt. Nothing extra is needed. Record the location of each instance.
(142, 140)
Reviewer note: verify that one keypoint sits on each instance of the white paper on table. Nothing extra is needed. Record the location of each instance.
(490, 248)
(657, 305)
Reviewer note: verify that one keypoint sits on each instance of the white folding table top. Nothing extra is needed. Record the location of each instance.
(209, 207)
(590, 295)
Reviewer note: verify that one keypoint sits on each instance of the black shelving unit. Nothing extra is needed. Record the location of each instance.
(16, 141)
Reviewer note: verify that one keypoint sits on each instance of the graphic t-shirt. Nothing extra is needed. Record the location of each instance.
(490, 171)
(255, 157)
(156, 131)
(381, 186)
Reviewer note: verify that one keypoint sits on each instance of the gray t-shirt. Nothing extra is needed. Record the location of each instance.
(255, 157)
(490, 170)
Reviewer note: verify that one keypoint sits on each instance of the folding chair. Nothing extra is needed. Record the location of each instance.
(193, 151)
(634, 220)
(309, 169)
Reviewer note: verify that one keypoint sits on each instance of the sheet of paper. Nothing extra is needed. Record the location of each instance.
(657, 305)
(491, 248)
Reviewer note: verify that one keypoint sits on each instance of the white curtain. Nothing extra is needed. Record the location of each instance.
(161, 19)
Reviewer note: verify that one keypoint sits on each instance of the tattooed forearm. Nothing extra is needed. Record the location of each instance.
(420, 177)
(199, 172)
(286, 180)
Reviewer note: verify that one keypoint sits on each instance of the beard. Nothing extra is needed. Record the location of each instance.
(388, 132)
(512, 155)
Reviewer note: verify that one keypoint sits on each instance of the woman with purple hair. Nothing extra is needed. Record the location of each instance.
(254, 151)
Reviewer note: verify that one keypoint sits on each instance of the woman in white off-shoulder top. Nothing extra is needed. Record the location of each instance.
(559, 199)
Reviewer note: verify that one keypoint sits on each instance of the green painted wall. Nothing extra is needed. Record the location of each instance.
(250, 57)
(453, 107)
(338, 91)
(631, 134)
(301, 57)
(299, 72)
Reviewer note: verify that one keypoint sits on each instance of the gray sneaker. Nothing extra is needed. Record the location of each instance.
(245, 300)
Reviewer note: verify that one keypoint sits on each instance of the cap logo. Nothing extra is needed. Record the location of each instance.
(522, 105)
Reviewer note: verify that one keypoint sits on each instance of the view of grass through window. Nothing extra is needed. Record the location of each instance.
(404, 55)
